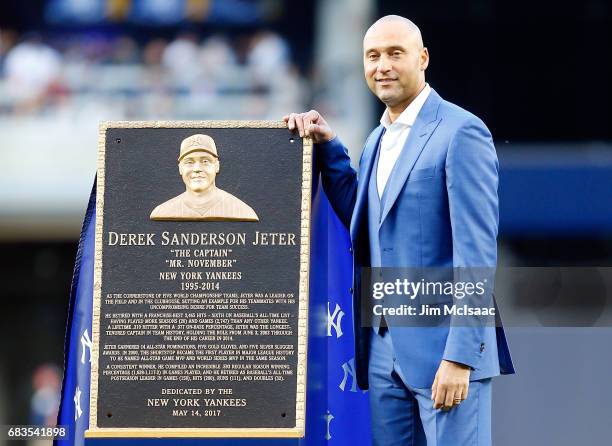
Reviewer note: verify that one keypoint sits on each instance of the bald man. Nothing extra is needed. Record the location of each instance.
(425, 197)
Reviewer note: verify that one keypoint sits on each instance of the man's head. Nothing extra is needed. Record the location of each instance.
(394, 60)
(198, 163)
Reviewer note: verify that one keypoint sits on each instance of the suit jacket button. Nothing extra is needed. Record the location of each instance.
(482, 347)
(351, 290)
(350, 249)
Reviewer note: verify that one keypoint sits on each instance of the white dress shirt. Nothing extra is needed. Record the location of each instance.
(395, 136)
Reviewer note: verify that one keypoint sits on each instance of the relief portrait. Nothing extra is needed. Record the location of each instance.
(199, 165)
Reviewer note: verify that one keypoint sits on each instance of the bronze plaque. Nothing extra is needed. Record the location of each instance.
(201, 280)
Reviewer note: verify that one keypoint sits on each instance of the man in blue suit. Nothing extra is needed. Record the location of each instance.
(425, 196)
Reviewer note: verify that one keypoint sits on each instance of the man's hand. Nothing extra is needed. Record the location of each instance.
(310, 124)
(450, 385)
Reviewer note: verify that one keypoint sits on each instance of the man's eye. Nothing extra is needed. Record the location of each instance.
(189, 162)
(372, 57)
(206, 162)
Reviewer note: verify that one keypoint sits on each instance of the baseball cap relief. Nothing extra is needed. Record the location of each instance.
(198, 143)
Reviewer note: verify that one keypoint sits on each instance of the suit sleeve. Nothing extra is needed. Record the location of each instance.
(339, 178)
(471, 181)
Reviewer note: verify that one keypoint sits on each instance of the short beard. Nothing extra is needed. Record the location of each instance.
(389, 101)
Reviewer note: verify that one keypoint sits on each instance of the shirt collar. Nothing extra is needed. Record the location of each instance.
(409, 115)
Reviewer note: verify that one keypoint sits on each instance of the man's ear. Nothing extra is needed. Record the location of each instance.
(180, 166)
(218, 166)
(424, 59)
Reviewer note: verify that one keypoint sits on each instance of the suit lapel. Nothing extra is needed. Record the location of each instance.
(424, 125)
(365, 170)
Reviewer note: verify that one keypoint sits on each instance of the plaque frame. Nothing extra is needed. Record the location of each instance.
(303, 298)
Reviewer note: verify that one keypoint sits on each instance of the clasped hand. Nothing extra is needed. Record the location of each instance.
(310, 124)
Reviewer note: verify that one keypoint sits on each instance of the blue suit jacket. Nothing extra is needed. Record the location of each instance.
(440, 210)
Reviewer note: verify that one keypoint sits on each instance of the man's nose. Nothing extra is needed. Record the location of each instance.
(384, 65)
(197, 166)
